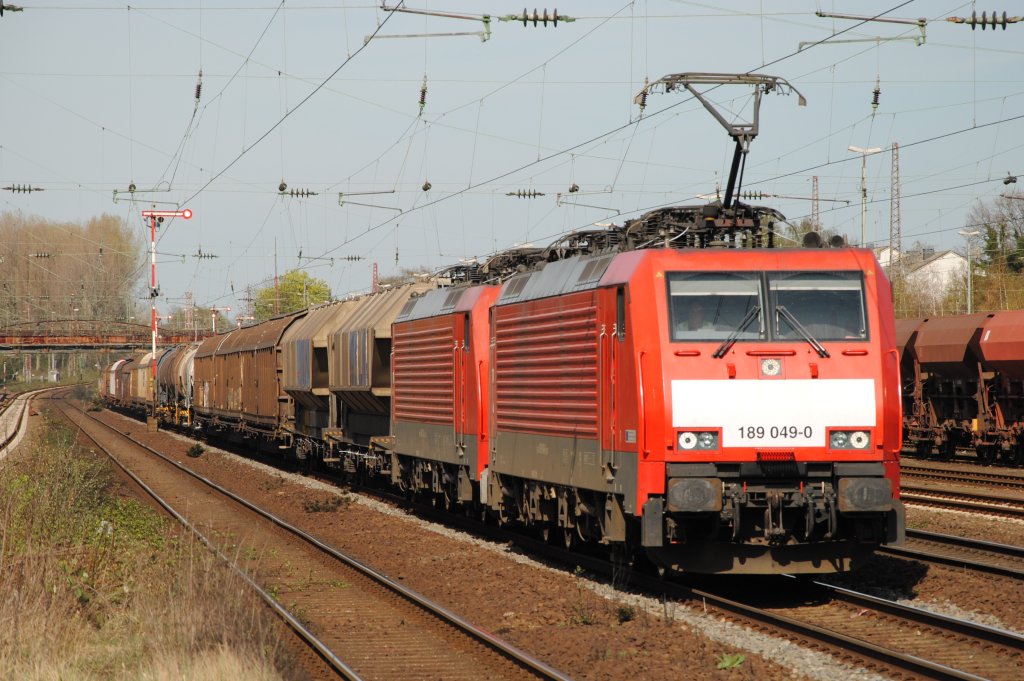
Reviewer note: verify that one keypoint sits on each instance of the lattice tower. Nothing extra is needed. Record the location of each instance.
(815, 205)
(895, 229)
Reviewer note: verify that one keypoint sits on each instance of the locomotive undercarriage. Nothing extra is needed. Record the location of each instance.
(559, 513)
(750, 518)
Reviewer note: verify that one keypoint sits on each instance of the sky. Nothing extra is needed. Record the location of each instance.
(325, 97)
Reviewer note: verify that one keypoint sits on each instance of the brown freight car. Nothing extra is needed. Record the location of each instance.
(1001, 425)
(963, 385)
(240, 377)
(949, 373)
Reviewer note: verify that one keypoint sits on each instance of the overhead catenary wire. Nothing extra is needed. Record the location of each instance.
(623, 160)
(607, 132)
(289, 112)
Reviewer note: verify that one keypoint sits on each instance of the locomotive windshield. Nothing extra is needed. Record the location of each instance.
(710, 306)
(829, 305)
(713, 305)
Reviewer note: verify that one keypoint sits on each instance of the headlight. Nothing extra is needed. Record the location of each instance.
(839, 439)
(849, 439)
(697, 440)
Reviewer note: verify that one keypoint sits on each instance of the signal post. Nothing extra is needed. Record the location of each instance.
(155, 216)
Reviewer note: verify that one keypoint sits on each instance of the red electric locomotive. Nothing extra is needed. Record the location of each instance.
(674, 385)
(728, 410)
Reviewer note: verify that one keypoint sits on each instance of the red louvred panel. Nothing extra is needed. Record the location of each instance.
(424, 376)
(546, 368)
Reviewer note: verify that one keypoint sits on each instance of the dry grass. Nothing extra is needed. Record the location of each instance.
(93, 586)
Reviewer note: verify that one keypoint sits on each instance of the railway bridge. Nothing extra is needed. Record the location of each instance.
(89, 334)
(54, 347)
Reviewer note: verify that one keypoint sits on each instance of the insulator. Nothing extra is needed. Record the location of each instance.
(23, 189)
(351, 258)
(282, 187)
(544, 18)
(875, 96)
(525, 193)
(642, 101)
(199, 85)
(427, 186)
(995, 20)
(423, 94)
(39, 255)
(300, 193)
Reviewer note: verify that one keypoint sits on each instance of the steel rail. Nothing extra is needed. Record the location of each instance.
(519, 657)
(305, 634)
(702, 597)
(835, 639)
(1005, 550)
(801, 630)
(982, 632)
(972, 477)
(964, 501)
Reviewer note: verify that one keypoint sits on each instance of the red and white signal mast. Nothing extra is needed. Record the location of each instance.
(155, 216)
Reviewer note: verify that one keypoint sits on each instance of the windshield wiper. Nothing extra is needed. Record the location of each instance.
(731, 340)
(799, 328)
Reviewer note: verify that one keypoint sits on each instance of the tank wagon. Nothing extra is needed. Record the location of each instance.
(174, 384)
(964, 376)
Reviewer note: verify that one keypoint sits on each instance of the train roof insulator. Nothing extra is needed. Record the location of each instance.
(814, 239)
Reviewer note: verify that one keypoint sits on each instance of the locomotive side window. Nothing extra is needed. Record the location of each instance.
(707, 306)
(829, 305)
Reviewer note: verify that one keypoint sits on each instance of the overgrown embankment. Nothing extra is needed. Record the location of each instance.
(94, 585)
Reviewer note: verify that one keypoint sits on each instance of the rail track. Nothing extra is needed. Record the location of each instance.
(957, 474)
(961, 552)
(1009, 506)
(358, 621)
(881, 635)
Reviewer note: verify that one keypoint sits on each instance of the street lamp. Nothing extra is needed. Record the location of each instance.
(969, 235)
(863, 187)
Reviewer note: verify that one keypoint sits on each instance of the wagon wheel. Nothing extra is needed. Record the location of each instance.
(1014, 455)
(986, 453)
(948, 450)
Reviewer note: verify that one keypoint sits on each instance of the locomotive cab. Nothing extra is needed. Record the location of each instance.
(780, 425)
